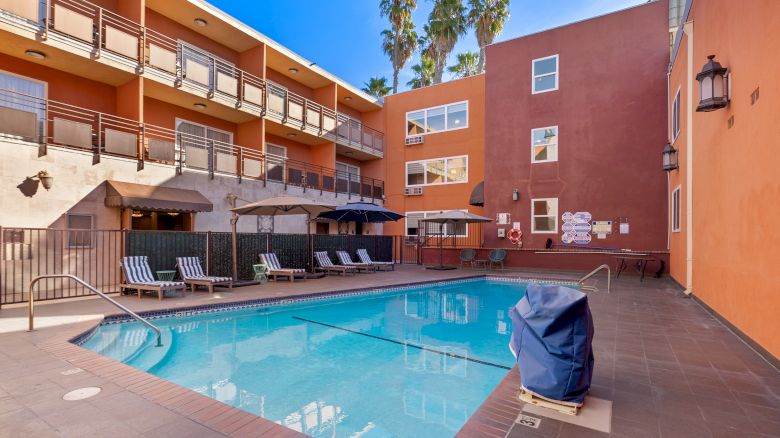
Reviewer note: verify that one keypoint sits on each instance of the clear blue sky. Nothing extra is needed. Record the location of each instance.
(342, 36)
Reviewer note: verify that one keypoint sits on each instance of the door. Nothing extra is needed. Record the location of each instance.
(275, 162)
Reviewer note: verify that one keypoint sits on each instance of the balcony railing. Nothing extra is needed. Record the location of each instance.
(104, 33)
(51, 123)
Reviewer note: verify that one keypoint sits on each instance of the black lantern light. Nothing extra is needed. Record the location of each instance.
(669, 158)
(713, 86)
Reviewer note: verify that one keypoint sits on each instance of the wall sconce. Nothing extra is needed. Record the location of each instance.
(669, 158)
(46, 180)
(713, 86)
(515, 195)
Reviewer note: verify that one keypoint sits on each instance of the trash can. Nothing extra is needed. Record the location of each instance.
(552, 335)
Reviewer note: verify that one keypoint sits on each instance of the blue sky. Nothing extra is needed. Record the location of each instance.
(342, 36)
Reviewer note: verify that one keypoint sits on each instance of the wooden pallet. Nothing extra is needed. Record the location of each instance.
(568, 408)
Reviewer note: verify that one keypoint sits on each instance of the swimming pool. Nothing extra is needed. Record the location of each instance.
(412, 361)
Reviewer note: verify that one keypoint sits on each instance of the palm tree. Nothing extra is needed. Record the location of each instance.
(488, 18)
(423, 73)
(377, 87)
(400, 41)
(467, 65)
(447, 22)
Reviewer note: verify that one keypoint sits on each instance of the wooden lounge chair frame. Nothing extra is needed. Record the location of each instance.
(140, 278)
(191, 273)
(346, 260)
(275, 270)
(325, 264)
(366, 258)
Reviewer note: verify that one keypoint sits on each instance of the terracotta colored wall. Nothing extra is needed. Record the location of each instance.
(468, 141)
(610, 109)
(253, 61)
(165, 114)
(678, 79)
(295, 87)
(736, 190)
(172, 29)
(295, 150)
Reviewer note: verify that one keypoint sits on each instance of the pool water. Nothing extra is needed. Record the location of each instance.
(407, 363)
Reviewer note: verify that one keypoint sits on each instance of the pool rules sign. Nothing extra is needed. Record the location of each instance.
(576, 227)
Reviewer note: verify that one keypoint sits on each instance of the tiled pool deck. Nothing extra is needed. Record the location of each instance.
(669, 367)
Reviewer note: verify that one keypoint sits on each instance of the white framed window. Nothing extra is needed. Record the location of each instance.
(414, 226)
(80, 230)
(544, 215)
(437, 171)
(676, 210)
(192, 142)
(437, 119)
(545, 74)
(544, 144)
(676, 116)
(24, 94)
(344, 170)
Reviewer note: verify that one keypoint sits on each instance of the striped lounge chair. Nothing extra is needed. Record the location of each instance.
(365, 258)
(346, 260)
(192, 274)
(275, 269)
(138, 276)
(325, 264)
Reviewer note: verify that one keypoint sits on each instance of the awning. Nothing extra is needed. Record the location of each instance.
(145, 197)
(477, 198)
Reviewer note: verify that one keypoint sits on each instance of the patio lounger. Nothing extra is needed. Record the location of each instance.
(138, 276)
(192, 274)
(346, 260)
(275, 269)
(325, 264)
(365, 258)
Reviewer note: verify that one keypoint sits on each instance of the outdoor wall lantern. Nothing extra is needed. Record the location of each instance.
(46, 180)
(713, 86)
(515, 195)
(669, 158)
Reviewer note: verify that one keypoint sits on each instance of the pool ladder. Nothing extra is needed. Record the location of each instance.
(591, 274)
(31, 303)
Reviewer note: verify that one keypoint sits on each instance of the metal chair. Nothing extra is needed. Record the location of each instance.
(497, 256)
(467, 256)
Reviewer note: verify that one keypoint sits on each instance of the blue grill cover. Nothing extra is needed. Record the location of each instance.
(552, 334)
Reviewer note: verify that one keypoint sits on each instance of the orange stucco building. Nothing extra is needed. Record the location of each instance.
(724, 195)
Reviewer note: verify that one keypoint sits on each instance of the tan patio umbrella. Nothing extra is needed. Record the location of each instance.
(455, 217)
(278, 206)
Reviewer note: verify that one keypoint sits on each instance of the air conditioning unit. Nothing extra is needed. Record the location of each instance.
(417, 139)
(413, 191)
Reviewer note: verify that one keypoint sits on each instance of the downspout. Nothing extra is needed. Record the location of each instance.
(688, 29)
(668, 178)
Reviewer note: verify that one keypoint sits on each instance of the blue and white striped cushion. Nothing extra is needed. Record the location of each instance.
(137, 269)
(345, 258)
(365, 258)
(273, 263)
(189, 267)
(323, 259)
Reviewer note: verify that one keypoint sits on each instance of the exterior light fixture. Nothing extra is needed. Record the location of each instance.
(515, 195)
(713, 86)
(291, 134)
(199, 105)
(46, 180)
(349, 153)
(292, 70)
(137, 213)
(669, 158)
(173, 213)
(201, 22)
(348, 98)
(35, 54)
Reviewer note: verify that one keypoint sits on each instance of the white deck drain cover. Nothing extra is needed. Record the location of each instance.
(81, 393)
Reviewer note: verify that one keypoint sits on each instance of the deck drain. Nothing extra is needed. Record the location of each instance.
(81, 393)
(71, 371)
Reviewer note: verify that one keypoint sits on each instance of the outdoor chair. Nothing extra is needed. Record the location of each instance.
(192, 274)
(325, 264)
(346, 260)
(467, 256)
(497, 257)
(138, 276)
(275, 269)
(365, 258)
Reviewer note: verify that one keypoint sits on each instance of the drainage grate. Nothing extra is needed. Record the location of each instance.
(81, 393)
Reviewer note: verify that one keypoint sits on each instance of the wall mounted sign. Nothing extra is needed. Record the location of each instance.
(503, 218)
(567, 227)
(624, 228)
(567, 237)
(582, 216)
(582, 238)
(568, 216)
(582, 227)
(602, 227)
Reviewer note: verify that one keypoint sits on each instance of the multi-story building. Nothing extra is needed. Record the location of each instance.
(149, 114)
(723, 189)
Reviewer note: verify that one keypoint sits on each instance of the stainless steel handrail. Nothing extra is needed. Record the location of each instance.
(593, 272)
(31, 305)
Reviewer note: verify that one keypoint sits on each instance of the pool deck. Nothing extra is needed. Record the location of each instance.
(668, 366)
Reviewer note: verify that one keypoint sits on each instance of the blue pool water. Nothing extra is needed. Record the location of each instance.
(409, 363)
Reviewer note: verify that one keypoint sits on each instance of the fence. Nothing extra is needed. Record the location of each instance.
(94, 255)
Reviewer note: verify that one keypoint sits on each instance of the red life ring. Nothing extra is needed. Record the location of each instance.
(515, 235)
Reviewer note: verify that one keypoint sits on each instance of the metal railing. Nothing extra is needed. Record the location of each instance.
(31, 303)
(352, 132)
(581, 281)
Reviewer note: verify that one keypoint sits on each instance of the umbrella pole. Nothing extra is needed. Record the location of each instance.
(233, 245)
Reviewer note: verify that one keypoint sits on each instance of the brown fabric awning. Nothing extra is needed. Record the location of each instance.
(145, 197)
(477, 197)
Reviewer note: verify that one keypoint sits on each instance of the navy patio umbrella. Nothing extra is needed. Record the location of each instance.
(361, 212)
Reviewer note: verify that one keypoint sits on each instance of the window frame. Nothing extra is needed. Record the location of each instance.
(425, 171)
(425, 214)
(557, 137)
(44, 117)
(676, 210)
(90, 230)
(557, 73)
(675, 118)
(534, 216)
(446, 118)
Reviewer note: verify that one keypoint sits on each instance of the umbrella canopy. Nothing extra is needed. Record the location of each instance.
(456, 217)
(283, 205)
(361, 212)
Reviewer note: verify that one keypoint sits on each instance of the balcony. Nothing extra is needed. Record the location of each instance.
(94, 32)
(56, 124)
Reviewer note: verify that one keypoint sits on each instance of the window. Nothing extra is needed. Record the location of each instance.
(414, 226)
(25, 95)
(451, 170)
(275, 157)
(347, 178)
(80, 234)
(545, 74)
(544, 215)
(676, 210)
(192, 141)
(676, 116)
(544, 144)
(437, 119)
